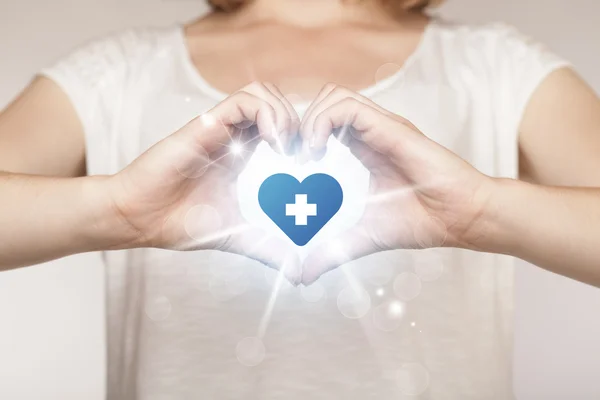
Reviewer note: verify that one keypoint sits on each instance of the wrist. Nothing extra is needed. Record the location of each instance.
(488, 231)
(480, 217)
(110, 230)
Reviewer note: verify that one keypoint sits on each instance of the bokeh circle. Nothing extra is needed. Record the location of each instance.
(250, 351)
(354, 303)
(407, 286)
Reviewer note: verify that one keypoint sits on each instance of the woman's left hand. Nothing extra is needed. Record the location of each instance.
(421, 194)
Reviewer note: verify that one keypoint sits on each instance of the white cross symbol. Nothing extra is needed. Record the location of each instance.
(301, 209)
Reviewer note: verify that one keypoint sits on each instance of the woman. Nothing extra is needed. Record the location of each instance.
(491, 106)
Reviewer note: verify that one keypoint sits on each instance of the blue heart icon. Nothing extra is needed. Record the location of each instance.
(300, 209)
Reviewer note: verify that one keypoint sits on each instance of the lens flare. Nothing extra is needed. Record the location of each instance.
(236, 148)
(388, 316)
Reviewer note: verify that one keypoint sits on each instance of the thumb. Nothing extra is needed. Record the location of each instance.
(350, 245)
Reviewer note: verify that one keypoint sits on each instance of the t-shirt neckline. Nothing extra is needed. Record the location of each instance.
(196, 77)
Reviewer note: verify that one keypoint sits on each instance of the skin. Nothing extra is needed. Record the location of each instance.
(154, 201)
(45, 203)
(426, 196)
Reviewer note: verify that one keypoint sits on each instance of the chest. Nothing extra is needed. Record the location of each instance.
(300, 62)
(446, 106)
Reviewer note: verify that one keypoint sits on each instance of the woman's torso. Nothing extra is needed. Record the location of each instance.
(431, 323)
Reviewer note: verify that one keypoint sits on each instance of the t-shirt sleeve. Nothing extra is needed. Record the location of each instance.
(94, 77)
(519, 64)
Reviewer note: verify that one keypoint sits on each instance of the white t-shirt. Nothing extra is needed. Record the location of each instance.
(430, 324)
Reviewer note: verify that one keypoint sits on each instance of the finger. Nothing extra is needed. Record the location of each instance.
(294, 126)
(304, 154)
(363, 153)
(213, 129)
(316, 143)
(336, 97)
(283, 118)
(323, 93)
(269, 250)
(364, 124)
(351, 245)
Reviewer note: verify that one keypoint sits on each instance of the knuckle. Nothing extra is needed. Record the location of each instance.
(270, 86)
(342, 91)
(330, 86)
(349, 100)
(242, 95)
(320, 119)
(345, 91)
(349, 103)
(255, 86)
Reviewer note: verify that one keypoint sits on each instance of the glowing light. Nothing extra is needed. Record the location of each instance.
(413, 324)
(236, 148)
(338, 162)
(396, 308)
(279, 284)
(272, 278)
(380, 292)
(208, 120)
(387, 316)
(336, 247)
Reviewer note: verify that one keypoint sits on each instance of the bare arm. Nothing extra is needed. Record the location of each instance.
(44, 218)
(44, 210)
(552, 221)
(555, 226)
(41, 134)
(167, 198)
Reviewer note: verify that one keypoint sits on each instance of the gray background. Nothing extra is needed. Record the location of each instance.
(51, 316)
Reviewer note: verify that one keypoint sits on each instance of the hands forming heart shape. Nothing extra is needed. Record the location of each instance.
(181, 193)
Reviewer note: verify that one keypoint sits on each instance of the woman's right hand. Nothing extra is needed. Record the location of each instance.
(181, 193)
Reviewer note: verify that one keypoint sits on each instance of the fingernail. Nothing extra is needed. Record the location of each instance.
(318, 155)
(307, 282)
(313, 141)
(267, 136)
